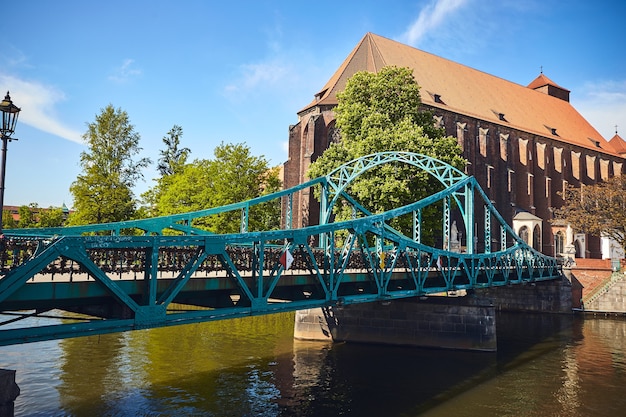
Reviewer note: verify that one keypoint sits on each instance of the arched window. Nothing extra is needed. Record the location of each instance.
(334, 134)
(523, 233)
(559, 243)
(537, 237)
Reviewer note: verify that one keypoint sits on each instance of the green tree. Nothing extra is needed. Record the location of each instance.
(52, 217)
(8, 222)
(173, 158)
(27, 216)
(598, 209)
(234, 175)
(103, 192)
(380, 112)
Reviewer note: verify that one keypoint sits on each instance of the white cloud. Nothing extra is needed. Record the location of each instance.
(262, 74)
(430, 18)
(37, 102)
(125, 72)
(603, 104)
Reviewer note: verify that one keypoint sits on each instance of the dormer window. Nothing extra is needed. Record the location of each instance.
(501, 116)
(552, 130)
(319, 95)
(436, 97)
(596, 143)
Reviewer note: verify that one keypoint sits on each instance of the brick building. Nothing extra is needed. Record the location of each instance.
(523, 144)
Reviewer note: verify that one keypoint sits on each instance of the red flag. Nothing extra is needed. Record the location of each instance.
(286, 259)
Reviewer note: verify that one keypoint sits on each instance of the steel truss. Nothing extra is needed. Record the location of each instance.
(127, 282)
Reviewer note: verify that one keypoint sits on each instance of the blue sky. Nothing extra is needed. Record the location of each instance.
(239, 71)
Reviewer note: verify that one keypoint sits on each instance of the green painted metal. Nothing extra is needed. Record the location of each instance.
(127, 282)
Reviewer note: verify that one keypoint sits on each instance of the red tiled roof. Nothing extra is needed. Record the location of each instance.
(541, 81)
(470, 92)
(619, 144)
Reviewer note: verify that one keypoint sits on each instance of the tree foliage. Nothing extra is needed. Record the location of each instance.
(173, 158)
(103, 192)
(51, 217)
(598, 209)
(8, 222)
(27, 216)
(172, 161)
(380, 112)
(233, 175)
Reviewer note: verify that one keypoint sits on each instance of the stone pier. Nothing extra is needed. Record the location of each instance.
(541, 297)
(8, 392)
(466, 323)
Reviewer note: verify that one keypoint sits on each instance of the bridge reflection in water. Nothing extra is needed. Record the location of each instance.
(123, 281)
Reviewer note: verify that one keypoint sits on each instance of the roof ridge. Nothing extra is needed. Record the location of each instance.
(324, 93)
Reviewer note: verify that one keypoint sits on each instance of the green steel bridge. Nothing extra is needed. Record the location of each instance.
(165, 271)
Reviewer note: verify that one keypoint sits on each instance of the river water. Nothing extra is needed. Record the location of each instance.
(549, 365)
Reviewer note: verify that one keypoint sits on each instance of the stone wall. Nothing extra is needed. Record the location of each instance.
(547, 296)
(610, 298)
(438, 322)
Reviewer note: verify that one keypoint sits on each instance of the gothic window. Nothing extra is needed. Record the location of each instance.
(482, 140)
(523, 151)
(558, 159)
(537, 237)
(604, 169)
(559, 243)
(504, 149)
(590, 162)
(334, 135)
(541, 158)
(576, 165)
(523, 233)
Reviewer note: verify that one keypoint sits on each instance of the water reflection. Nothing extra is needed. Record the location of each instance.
(546, 365)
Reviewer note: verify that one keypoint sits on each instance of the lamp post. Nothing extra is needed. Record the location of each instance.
(9, 118)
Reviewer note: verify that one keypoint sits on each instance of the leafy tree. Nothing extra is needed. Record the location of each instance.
(234, 175)
(598, 209)
(8, 222)
(173, 158)
(379, 112)
(52, 217)
(172, 161)
(27, 216)
(103, 192)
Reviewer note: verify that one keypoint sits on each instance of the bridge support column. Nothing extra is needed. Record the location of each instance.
(466, 323)
(8, 392)
(541, 297)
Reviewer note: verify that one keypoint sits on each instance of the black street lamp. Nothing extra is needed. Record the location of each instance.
(9, 118)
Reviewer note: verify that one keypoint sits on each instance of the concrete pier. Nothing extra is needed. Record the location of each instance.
(466, 323)
(8, 392)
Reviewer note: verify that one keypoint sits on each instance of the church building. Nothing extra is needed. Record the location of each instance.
(524, 144)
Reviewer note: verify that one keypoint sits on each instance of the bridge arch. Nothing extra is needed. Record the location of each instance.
(339, 179)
